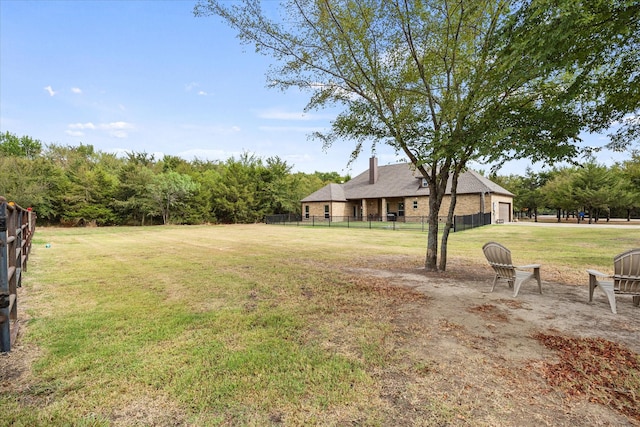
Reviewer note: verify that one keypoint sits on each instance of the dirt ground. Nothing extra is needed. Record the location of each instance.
(481, 352)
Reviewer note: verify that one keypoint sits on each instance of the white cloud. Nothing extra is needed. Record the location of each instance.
(87, 125)
(189, 87)
(50, 90)
(116, 125)
(120, 134)
(114, 129)
(76, 90)
(117, 129)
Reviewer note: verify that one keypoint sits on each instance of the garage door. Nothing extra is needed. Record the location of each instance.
(504, 212)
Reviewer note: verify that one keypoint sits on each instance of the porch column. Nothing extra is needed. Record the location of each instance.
(383, 209)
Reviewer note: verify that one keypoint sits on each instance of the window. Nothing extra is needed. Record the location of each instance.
(425, 184)
(415, 204)
(326, 211)
(306, 211)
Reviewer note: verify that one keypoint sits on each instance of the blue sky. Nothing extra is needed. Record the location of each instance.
(148, 76)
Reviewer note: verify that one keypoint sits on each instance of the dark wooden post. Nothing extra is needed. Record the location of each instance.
(6, 301)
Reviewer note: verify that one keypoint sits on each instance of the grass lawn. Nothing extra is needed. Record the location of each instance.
(237, 325)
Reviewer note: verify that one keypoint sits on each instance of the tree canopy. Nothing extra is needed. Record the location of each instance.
(23, 146)
(594, 47)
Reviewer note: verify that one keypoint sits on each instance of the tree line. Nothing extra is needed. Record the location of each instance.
(598, 191)
(79, 185)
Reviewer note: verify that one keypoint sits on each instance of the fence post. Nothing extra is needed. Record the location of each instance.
(9, 272)
(5, 331)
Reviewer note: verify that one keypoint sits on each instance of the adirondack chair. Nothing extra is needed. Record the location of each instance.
(626, 279)
(499, 258)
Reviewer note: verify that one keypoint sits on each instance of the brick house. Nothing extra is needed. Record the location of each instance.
(399, 192)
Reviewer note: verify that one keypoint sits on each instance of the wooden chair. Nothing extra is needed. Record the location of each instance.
(626, 279)
(499, 258)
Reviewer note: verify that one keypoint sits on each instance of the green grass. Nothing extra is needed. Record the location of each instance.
(240, 325)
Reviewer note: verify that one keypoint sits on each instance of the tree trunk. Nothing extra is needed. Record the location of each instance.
(443, 247)
(165, 214)
(431, 261)
(436, 191)
(450, 216)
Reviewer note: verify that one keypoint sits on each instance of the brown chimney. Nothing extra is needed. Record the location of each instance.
(373, 170)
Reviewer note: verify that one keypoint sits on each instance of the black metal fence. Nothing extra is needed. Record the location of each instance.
(390, 222)
(466, 222)
(17, 226)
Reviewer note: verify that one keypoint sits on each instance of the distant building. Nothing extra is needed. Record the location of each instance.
(399, 192)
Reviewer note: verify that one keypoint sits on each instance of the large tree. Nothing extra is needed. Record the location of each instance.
(170, 192)
(236, 195)
(558, 193)
(23, 146)
(133, 199)
(32, 183)
(443, 82)
(88, 186)
(596, 189)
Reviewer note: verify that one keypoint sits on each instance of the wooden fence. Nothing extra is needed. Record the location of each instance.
(17, 226)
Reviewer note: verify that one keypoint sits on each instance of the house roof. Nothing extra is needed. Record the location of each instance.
(333, 192)
(399, 180)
